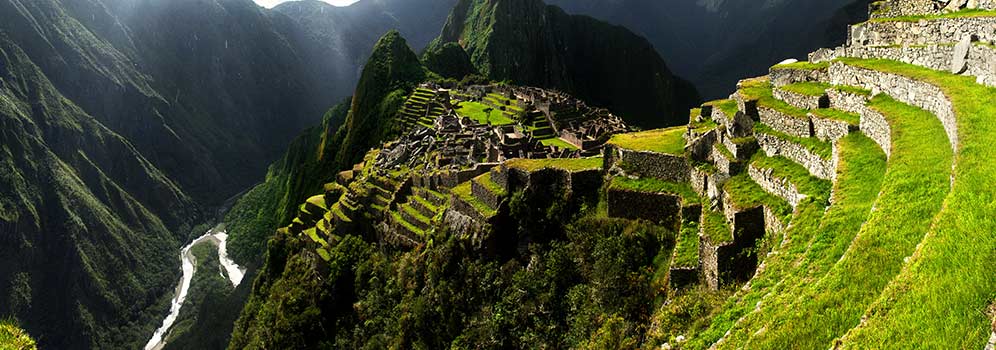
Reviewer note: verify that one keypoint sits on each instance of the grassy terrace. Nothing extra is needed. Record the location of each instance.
(763, 94)
(815, 243)
(796, 174)
(686, 246)
(715, 227)
(566, 164)
(464, 193)
(745, 193)
(836, 114)
(965, 13)
(668, 141)
(485, 180)
(729, 107)
(401, 220)
(938, 299)
(475, 111)
(913, 190)
(651, 185)
(804, 65)
(807, 88)
(558, 143)
(820, 148)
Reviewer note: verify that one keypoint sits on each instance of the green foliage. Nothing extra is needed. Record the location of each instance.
(208, 293)
(449, 61)
(13, 337)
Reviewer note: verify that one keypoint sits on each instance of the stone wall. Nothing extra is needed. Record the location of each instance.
(846, 101)
(829, 129)
(736, 261)
(485, 195)
(906, 90)
(980, 61)
(801, 100)
(785, 76)
(699, 180)
(875, 126)
(741, 151)
(799, 127)
(661, 208)
(656, 165)
(923, 32)
(898, 8)
(780, 187)
(817, 166)
(724, 164)
(700, 147)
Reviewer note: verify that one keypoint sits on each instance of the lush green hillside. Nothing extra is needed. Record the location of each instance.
(449, 60)
(530, 43)
(89, 225)
(348, 131)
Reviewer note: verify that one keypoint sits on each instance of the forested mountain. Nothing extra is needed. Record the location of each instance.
(530, 43)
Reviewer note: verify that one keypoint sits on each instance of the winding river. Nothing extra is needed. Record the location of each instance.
(217, 236)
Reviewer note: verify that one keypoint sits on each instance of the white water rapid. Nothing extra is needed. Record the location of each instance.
(217, 236)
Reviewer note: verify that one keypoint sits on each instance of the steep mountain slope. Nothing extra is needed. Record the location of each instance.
(708, 41)
(88, 224)
(341, 38)
(388, 78)
(530, 43)
(119, 128)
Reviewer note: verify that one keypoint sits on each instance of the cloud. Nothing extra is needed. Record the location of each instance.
(272, 3)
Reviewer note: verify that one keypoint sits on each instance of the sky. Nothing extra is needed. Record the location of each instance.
(272, 3)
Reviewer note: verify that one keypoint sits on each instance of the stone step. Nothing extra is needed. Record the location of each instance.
(832, 124)
(725, 161)
(776, 113)
(848, 99)
(436, 198)
(414, 217)
(684, 269)
(785, 74)
(423, 206)
(487, 191)
(788, 180)
(405, 228)
(804, 95)
(464, 201)
(814, 155)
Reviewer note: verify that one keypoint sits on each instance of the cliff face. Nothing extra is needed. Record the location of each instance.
(530, 43)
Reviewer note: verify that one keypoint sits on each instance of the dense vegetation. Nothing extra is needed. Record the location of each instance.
(13, 337)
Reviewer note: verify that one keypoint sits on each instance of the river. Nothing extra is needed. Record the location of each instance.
(217, 236)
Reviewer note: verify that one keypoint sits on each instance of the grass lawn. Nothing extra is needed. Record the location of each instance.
(913, 190)
(762, 93)
(939, 298)
(745, 194)
(729, 107)
(802, 65)
(804, 262)
(668, 141)
(558, 143)
(463, 192)
(807, 88)
(715, 227)
(475, 111)
(836, 114)
(796, 174)
(567, 164)
(686, 247)
(651, 185)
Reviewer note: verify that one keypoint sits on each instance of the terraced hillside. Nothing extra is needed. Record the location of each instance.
(845, 202)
